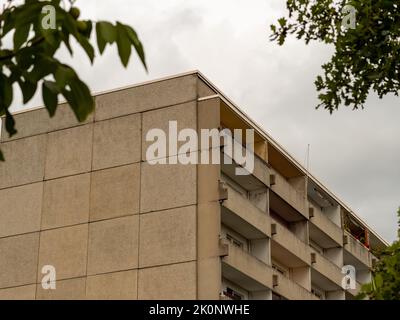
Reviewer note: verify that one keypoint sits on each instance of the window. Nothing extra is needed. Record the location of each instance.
(280, 268)
(318, 293)
(234, 241)
(232, 291)
(234, 295)
(276, 296)
(316, 247)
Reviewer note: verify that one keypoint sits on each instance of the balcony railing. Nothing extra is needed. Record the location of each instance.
(288, 240)
(357, 249)
(243, 216)
(287, 192)
(290, 289)
(327, 268)
(258, 178)
(355, 291)
(325, 224)
(249, 272)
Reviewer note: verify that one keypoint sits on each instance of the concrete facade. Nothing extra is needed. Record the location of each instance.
(83, 198)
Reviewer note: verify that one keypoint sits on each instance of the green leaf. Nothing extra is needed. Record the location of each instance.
(378, 280)
(63, 75)
(6, 92)
(136, 43)
(107, 31)
(87, 30)
(282, 22)
(101, 43)
(75, 92)
(50, 96)
(85, 44)
(9, 21)
(10, 124)
(21, 35)
(28, 89)
(43, 66)
(124, 45)
(27, 13)
(65, 38)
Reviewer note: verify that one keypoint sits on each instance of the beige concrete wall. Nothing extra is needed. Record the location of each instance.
(81, 197)
(208, 212)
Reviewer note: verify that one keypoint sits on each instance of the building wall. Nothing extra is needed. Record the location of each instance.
(81, 197)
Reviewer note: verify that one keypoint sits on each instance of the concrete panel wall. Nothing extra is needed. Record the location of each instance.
(168, 236)
(20, 209)
(146, 97)
(117, 142)
(175, 281)
(37, 122)
(25, 161)
(79, 197)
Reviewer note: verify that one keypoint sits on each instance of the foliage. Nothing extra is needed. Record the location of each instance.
(385, 283)
(30, 61)
(366, 58)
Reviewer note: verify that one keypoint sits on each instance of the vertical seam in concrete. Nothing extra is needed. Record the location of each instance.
(140, 209)
(41, 213)
(90, 204)
(197, 191)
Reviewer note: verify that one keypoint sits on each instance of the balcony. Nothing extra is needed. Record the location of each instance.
(357, 250)
(287, 192)
(328, 270)
(356, 291)
(257, 179)
(289, 289)
(241, 215)
(329, 233)
(287, 247)
(245, 270)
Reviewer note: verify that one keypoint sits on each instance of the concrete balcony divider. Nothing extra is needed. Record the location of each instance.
(326, 225)
(243, 216)
(327, 268)
(290, 289)
(288, 193)
(244, 269)
(357, 249)
(355, 291)
(290, 242)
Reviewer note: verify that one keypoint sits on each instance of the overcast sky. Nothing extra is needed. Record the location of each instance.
(356, 154)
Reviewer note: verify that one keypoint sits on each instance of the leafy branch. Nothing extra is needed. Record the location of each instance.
(31, 61)
(366, 58)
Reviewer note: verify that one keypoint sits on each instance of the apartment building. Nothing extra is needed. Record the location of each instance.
(84, 199)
